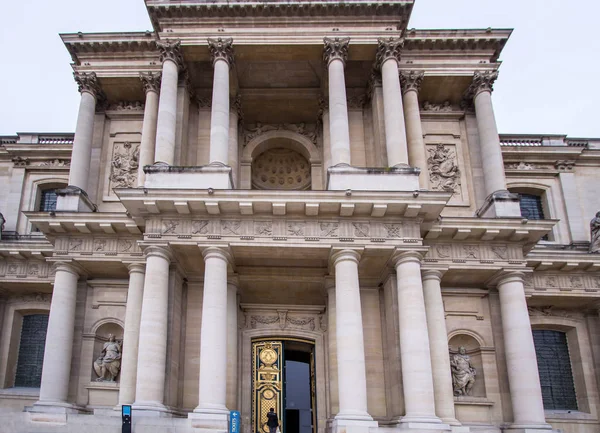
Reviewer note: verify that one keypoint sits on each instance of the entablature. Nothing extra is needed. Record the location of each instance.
(559, 259)
(145, 203)
(54, 224)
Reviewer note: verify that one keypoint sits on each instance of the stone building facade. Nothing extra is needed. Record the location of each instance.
(303, 206)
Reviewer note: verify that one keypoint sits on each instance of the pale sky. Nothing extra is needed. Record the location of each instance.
(547, 84)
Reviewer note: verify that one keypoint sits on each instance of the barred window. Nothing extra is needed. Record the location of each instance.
(31, 350)
(554, 365)
(531, 206)
(47, 200)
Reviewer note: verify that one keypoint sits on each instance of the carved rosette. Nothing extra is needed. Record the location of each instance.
(151, 81)
(411, 80)
(170, 50)
(88, 82)
(335, 49)
(482, 82)
(388, 48)
(221, 49)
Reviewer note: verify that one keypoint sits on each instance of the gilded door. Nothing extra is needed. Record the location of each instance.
(267, 382)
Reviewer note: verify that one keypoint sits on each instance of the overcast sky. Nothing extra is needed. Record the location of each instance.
(548, 81)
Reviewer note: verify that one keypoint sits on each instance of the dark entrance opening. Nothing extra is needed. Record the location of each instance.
(298, 401)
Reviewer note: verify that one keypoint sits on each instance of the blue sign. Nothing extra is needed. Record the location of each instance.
(234, 421)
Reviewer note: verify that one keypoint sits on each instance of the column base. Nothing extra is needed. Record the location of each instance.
(53, 412)
(529, 428)
(213, 420)
(343, 425)
(73, 199)
(215, 176)
(150, 409)
(423, 424)
(399, 178)
(500, 204)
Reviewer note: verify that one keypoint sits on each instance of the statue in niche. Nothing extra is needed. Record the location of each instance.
(108, 364)
(595, 234)
(444, 173)
(463, 373)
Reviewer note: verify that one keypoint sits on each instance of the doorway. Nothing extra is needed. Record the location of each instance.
(283, 378)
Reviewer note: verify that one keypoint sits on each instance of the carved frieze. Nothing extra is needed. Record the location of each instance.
(444, 174)
(43, 298)
(550, 311)
(103, 246)
(26, 269)
(277, 228)
(283, 320)
(124, 165)
(466, 252)
(58, 163)
(564, 282)
(127, 106)
(445, 107)
(258, 129)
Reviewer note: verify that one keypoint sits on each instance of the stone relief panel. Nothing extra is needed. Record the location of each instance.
(281, 169)
(284, 320)
(563, 282)
(550, 311)
(124, 165)
(280, 229)
(306, 129)
(25, 269)
(442, 166)
(483, 253)
(102, 246)
(30, 298)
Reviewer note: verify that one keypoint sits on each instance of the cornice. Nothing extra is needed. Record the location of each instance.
(86, 43)
(160, 10)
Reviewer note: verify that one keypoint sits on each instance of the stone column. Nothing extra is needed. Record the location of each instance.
(235, 118)
(387, 58)
(489, 141)
(334, 56)
(521, 360)
(56, 369)
(332, 348)
(212, 412)
(352, 382)
(131, 335)
(172, 60)
(438, 346)
(417, 377)
(152, 349)
(232, 343)
(221, 51)
(417, 154)
(84, 130)
(151, 83)
(324, 114)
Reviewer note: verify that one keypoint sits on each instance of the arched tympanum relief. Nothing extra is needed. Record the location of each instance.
(281, 168)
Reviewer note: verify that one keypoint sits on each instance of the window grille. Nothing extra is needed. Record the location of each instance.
(31, 351)
(531, 206)
(554, 365)
(48, 200)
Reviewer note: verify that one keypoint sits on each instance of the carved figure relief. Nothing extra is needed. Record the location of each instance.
(264, 228)
(576, 282)
(99, 244)
(444, 174)
(443, 251)
(124, 166)
(471, 251)
(258, 129)
(108, 365)
(521, 166)
(295, 228)
(445, 107)
(595, 234)
(281, 169)
(463, 373)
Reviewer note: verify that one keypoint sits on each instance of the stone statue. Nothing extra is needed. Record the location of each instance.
(595, 234)
(108, 364)
(463, 373)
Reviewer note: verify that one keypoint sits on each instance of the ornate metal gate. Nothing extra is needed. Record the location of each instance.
(267, 382)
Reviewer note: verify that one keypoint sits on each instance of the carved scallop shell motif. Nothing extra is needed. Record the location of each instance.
(281, 169)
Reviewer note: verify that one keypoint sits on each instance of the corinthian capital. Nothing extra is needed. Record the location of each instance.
(388, 48)
(411, 80)
(170, 50)
(335, 48)
(87, 82)
(151, 81)
(482, 82)
(221, 49)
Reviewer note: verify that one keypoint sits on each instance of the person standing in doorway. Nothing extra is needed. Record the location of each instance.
(272, 421)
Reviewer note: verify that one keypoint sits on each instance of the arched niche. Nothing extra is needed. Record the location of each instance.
(281, 139)
(102, 332)
(472, 344)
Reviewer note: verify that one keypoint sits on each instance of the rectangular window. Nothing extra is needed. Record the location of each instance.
(554, 364)
(531, 206)
(48, 200)
(31, 351)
